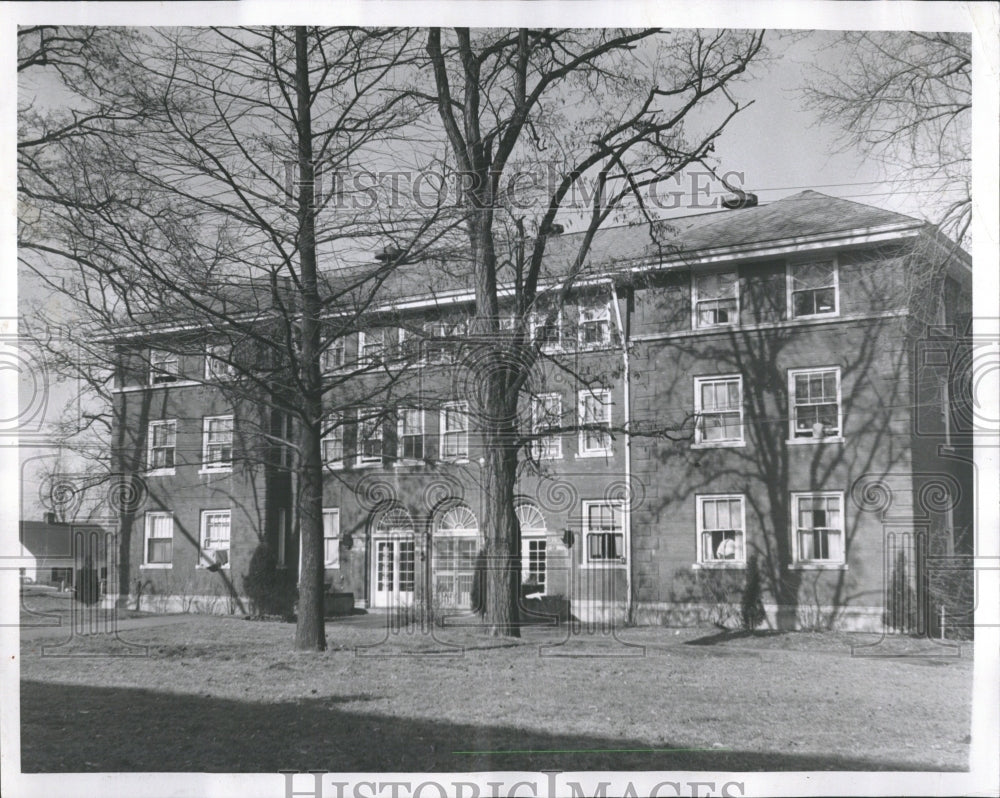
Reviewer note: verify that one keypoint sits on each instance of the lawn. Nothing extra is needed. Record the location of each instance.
(226, 694)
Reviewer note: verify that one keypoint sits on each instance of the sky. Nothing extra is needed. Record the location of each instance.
(775, 145)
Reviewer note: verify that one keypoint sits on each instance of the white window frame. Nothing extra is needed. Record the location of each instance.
(699, 430)
(696, 298)
(207, 466)
(701, 561)
(158, 471)
(159, 373)
(218, 369)
(457, 409)
(335, 436)
(594, 313)
(795, 440)
(446, 351)
(536, 321)
(549, 447)
(401, 458)
(378, 423)
(331, 561)
(531, 535)
(604, 398)
(790, 268)
(617, 562)
(151, 518)
(818, 563)
(204, 560)
(327, 363)
(364, 358)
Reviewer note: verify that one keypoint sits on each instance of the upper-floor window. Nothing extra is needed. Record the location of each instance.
(718, 407)
(219, 362)
(455, 431)
(442, 341)
(818, 527)
(372, 347)
(815, 404)
(595, 324)
(332, 442)
(715, 299)
(812, 289)
(217, 443)
(162, 446)
(163, 367)
(721, 525)
(370, 436)
(595, 421)
(546, 328)
(546, 414)
(410, 434)
(333, 356)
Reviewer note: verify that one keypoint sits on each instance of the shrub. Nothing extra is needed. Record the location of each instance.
(715, 590)
(271, 590)
(752, 604)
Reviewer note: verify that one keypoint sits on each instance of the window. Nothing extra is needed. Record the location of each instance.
(547, 332)
(333, 356)
(369, 437)
(332, 442)
(162, 447)
(604, 539)
(815, 404)
(217, 443)
(455, 431)
(331, 538)
(163, 367)
(595, 417)
(214, 539)
(718, 407)
(218, 362)
(546, 414)
(532, 525)
(715, 299)
(410, 434)
(818, 528)
(443, 340)
(158, 550)
(812, 289)
(595, 324)
(721, 525)
(371, 347)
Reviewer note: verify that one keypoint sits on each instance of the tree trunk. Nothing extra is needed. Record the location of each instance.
(310, 631)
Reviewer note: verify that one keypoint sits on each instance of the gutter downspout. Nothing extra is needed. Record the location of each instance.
(626, 510)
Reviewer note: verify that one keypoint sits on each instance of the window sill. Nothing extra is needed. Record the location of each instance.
(223, 470)
(825, 315)
(807, 441)
(603, 566)
(595, 453)
(154, 566)
(729, 325)
(368, 464)
(409, 463)
(817, 566)
(338, 466)
(463, 460)
(718, 566)
(719, 445)
(162, 472)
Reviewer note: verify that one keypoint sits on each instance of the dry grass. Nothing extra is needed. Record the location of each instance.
(222, 694)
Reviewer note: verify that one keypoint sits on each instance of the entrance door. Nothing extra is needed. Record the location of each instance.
(393, 577)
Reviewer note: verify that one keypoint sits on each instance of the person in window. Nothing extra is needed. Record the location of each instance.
(726, 550)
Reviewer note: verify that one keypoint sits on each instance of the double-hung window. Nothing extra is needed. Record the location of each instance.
(372, 347)
(812, 289)
(370, 436)
(332, 357)
(455, 431)
(219, 362)
(715, 299)
(214, 539)
(164, 367)
(332, 442)
(442, 341)
(818, 528)
(546, 331)
(721, 530)
(331, 537)
(718, 407)
(410, 434)
(595, 422)
(546, 414)
(158, 551)
(595, 324)
(217, 443)
(604, 539)
(814, 400)
(162, 447)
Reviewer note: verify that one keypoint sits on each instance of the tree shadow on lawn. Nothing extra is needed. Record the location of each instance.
(72, 728)
(725, 635)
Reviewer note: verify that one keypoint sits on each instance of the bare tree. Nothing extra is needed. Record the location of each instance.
(906, 98)
(192, 199)
(603, 115)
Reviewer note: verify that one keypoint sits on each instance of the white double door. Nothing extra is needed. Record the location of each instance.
(393, 571)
